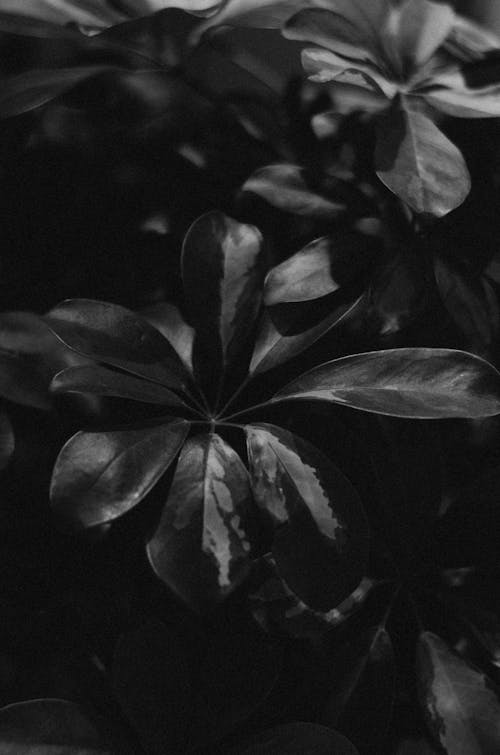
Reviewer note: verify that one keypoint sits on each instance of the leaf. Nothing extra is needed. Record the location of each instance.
(97, 14)
(415, 29)
(104, 382)
(470, 41)
(363, 664)
(49, 727)
(335, 32)
(238, 672)
(27, 91)
(201, 547)
(471, 303)
(221, 274)
(116, 336)
(419, 383)
(29, 26)
(275, 607)
(167, 318)
(151, 680)
(7, 440)
(98, 476)
(296, 739)
(276, 344)
(417, 162)
(319, 269)
(449, 92)
(325, 66)
(321, 537)
(22, 383)
(460, 703)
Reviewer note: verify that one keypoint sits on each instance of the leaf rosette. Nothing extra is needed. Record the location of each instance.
(197, 370)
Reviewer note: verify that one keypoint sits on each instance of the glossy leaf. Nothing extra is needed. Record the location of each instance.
(324, 66)
(363, 664)
(98, 476)
(450, 93)
(417, 162)
(116, 336)
(221, 273)
(101, 381)
(201, 547)
(290, 189)
(151, 680)
(418, 383)
(276, 344)
(167, 318)
(49, 727)
(319, 269)
(470, 41)
(297, 739)
(321, 537)
(7, 440)
(27, 91)
(460, 703)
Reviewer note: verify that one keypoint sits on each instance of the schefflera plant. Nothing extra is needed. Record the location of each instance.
(208, 532)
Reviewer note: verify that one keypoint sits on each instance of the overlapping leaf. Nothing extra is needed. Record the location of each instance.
(460, 703)
(116, 336)
(321, 539)
(98, 476)
(418, 383)
(201, 548)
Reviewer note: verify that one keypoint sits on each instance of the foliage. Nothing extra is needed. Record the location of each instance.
(230, 520)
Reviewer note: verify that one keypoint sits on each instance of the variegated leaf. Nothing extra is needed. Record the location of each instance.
(98, 476)
(418, 383)
(116, 336)
(321, 537)
(460, 703)
(222, 277)
(417, 162)
(201, 547)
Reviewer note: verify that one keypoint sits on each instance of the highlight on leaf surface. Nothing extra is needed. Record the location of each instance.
(460, 703)
(418, 383)
(98, 476)
(320, 543)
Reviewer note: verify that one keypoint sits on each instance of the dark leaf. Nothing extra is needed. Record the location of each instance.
(151, 680)
(416, 161)
(297, 739)
(29, 26)
(363, 664)
(201, 548)
(7, 440)
(418, 383)
(239, 670)
(320, 268)
(101, 381)
(22, 382)
(460, 703)
(49, 727)
(221, 273)
(321, 537)
(98, 476)
(276, 344)
(471, 303)
(276, 607)
(26, 91)
(114, 335)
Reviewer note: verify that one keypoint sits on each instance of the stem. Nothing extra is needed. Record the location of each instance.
(251, 409)
(235, 395)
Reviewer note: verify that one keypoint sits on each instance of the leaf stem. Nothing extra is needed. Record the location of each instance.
(252, 409)
(235, 395)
